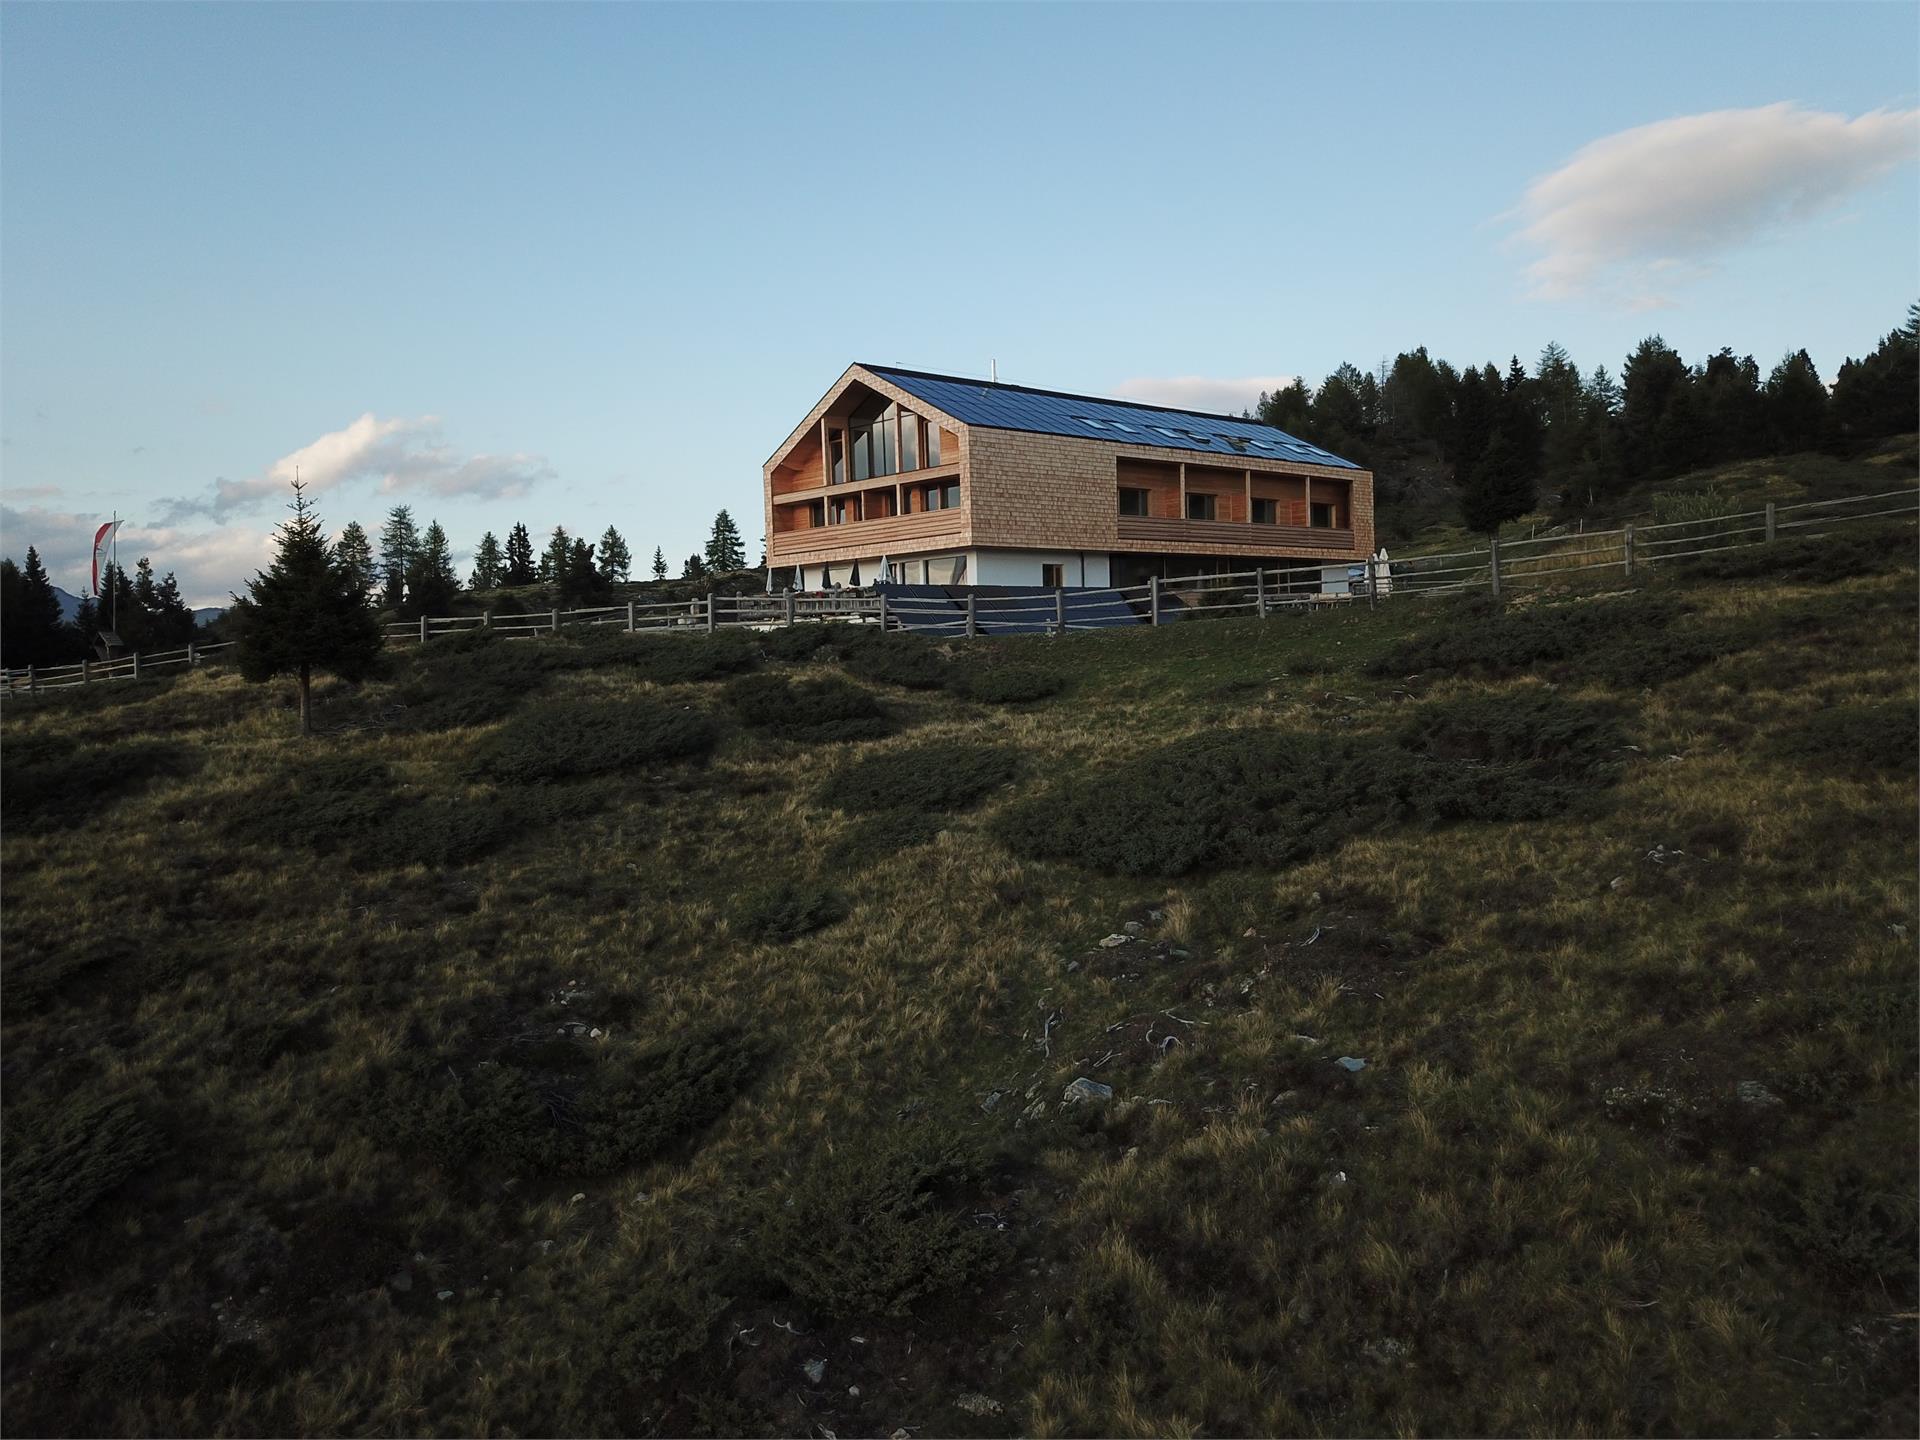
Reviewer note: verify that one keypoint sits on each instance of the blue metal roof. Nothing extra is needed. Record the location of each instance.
(1120, 422)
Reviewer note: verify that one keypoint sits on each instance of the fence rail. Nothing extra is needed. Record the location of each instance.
(1265, 591)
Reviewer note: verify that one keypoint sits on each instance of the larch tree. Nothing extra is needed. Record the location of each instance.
(488, 567)
(616, 560)
(355, 552)
(304, 613)
(399, 542)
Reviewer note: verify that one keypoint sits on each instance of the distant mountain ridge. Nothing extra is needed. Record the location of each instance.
(70, 607)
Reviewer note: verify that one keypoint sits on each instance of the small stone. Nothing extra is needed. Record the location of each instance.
(1307, 1042)
(446, 1294)
(1249, 933)
(1156, 916)
(578, 1196)
(901, 1434)
(1034, 1111)
(854, 1391)
(859, 1340)
(816, 1370)
(1752, 1092)
(1072, 965)
(1351, 1065)
(974, 1403)
(1616, 882)
(403, 1282)
(1314, 899)
(1085, 1089)
(1178, 954)
(994, 1098)
(1114, 941)
(1133, 927)
(1339, 1177)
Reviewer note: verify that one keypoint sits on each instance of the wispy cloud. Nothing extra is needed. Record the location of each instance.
(401, 455)
(1202, 392)
(1636, 215)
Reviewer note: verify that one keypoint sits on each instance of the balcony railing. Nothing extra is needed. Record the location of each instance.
(1242, 535)
(884, 531)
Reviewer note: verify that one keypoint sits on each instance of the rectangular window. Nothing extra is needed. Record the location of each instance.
(1053, 576)
(909, 441)
(1266, 512)
(839, 449)
(1322, 516)
(816, 514)
(862, 454)
(837, 513)
(1135, 502)
(1200, 507)
(943, 497)
(933, 443)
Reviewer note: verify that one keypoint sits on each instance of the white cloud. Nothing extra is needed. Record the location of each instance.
(209, 563)
(1632, 213)
(1201, 392)
(402, 455)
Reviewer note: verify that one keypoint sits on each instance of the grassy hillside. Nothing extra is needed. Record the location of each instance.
(613, 1034)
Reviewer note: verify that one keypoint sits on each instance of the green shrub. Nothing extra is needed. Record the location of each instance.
(61, 1161)
(871, 1228)
(1628, 641)
(1867, 739)
(826, 709)
(1675, 506)
(1868, 548)
(320, 805)
(439, 833)
(882, 836)
(540, 1118)
(944, 775)
(53, 780)
(798, 642)
(662, 659)
(1856, 1230)
(776, 914)
(1005, 684)
(559, 740)
(1270, 799)
(656, 1326)
(890, 659)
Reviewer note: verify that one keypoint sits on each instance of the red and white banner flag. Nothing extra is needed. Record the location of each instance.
(102, 538)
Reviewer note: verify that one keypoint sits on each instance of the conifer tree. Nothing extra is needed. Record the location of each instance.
(355, 552)
(304, 613)
(31, 615)
(487, 564)
(694, 569)
(553, 560)
(399, 541)
(1499, 487)
(1796, 404)
(659, 564)
(431, 582)
(520, 569)
(616, 560)
(724, 548)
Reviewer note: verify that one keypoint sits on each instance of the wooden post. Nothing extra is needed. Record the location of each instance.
(86, 670)
(136, 664)
(788, 596)
(423, 629)
(31, 685)
(629, 617)
(1770, 526)
(1260, 591)
(554, 621)
(883, 607)
(711, 597)
(973, 622)
(1373, 581)
(486, 619)
(193, 656)
(1493, 564)
(1153, 598)
(1626, 549)
(1060, 610)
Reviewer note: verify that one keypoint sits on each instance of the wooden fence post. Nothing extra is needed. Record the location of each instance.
(1626, 549)
(629, 617)
(136, 664)
(86, 670)
(973, 622)
(883, 608)
(711, 597)
(1373, 581)
(554, 621)
(1060, 610)
(1770, 527)
(1153, 598)
(1493, 564)
(1260, 592)
(193, 656)
(788, 597)
(486, 619)
(423, 629)
(31, 685)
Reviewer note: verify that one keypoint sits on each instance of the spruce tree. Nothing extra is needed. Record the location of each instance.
(520, 569)
(659, 564)
(304, 613)
(616, 560)
(1499, 487)
(553, 560)
(724, 548)
(487, 564)
(431, 582)
(355, 552)
(1796, 404)
(399, 541)
(694, 569)
(33, 621)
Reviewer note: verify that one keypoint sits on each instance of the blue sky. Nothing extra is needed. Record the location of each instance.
(584, 265)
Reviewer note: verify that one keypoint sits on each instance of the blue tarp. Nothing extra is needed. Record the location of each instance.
(1011, 609)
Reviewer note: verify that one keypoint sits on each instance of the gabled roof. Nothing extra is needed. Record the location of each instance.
(1085, 417)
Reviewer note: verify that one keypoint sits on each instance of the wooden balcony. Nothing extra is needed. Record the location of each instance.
(870, 537)
(1244, 539)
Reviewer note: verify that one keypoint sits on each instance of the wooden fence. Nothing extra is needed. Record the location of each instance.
(1496, 567)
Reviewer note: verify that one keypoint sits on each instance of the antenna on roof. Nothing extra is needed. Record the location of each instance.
(993, 372)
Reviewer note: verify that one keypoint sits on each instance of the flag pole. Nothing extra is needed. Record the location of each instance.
(116, 566)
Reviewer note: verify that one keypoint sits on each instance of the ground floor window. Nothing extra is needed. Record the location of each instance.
(1053, 576)
(947, 570)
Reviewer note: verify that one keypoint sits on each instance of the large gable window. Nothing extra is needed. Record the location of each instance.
(887, 440)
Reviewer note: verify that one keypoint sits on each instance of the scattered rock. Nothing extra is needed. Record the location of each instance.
(1085, 1089)
(1752, 1092)
(1072, 965)
(1384, 1352)
(1351, 1065)
(1307, 1042)
(1156, 916)
(1249, 933)
(1133, 927)
(403, 1282)
(901, 1434)
(1113, 941)
(993, 1099)
(445, 1295)
(816, 1370)
(853, 1391)
(1616, 882)
(1179, 954)
(974, 1403)
(579, 1195)
(1034, 1111)
(1338, 1177)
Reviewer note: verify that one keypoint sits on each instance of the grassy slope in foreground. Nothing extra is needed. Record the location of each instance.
(478, 1107)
